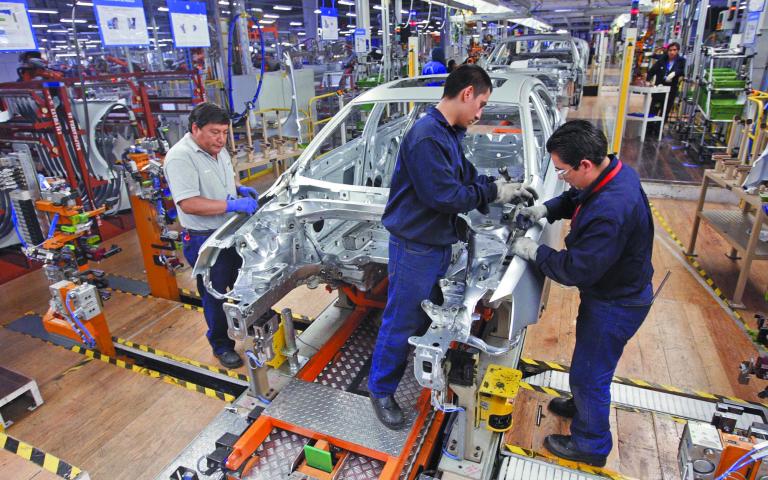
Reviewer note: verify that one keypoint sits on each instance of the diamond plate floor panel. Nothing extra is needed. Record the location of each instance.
(408, 390)
(339, 414)
(353, 356)
(280, 449)
(645, 399)
(277, 453)
(361, 468)
(520, 468)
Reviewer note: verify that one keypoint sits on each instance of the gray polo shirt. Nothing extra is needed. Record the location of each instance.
(193, 172)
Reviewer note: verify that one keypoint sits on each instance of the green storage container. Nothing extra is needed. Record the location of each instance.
(724, 109)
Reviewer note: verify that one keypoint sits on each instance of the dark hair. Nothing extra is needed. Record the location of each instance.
(465, 76)
(577, 140)
(206, 113)
(673, 44)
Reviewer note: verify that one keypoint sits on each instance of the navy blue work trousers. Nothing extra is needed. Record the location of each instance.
(223, 275)
(603, 328)
(414, 270)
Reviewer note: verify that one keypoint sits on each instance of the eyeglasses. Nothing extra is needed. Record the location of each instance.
(561, 172)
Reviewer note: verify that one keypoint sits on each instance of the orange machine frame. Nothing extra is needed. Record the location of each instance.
(263, 426)
(162, 282)
(97, 326)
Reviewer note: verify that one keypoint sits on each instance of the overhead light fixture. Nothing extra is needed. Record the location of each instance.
(301, 34)
(561, 10)
(256, 9)
(282, 7)
(266, 22)
(346, 2)
(95, 27)
(39, 25)
(76, 20)
(66, 54)
(42, 10)
(57, 31)
(317, 10)
(377, 7)
(223, 2)
(404, 12)
(84, 4)
(350, 14)
(271, 15)
(225, 12)
(162, 9)
(296, 24)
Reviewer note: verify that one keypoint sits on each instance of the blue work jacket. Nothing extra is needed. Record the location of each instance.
(433, 182)
(433, 68)
(608, 250)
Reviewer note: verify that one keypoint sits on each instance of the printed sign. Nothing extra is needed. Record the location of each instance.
(121, 22)
(189, 24)
(15, 27)
(329, 18)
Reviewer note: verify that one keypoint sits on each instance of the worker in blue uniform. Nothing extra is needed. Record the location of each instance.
(432, 183)
(436, 65)
(607, 256)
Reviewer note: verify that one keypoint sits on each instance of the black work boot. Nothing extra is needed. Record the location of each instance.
(230, 359)
(563, 447)
(388, 411)
(565, 407)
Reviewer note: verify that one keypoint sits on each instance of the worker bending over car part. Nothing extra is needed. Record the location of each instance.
(607, 256)
(432, 183)
(202, 182)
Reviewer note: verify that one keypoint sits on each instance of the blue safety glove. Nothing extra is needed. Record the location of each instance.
(244, 191)
(242, 205)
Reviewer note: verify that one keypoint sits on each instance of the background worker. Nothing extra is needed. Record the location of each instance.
(432, 183)
(667, 71)
(202, 182)
(436, 65)
(608, 257)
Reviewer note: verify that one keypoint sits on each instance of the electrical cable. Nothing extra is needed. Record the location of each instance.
(90, 342)
(16, 225)
(54, 222)
(235, 116)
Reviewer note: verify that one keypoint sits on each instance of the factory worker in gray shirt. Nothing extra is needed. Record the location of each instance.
(202, 182)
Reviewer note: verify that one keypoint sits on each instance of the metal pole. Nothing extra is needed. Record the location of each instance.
(290, 350)
(626, 75)
(242, 36)
(386, 40)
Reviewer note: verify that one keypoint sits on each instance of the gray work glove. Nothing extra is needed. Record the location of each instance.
(670, 76)
(509, 192)
(525, 248)
(530, 215)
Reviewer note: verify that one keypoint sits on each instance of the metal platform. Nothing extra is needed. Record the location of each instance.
(338, 414)
(522, 468)
(646, 399)
(280, 449)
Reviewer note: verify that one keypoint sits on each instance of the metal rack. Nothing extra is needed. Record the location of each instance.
(703, 131)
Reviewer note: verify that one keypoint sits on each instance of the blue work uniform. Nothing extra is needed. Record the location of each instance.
(433, 68)
(608, 257)
(431, 184)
